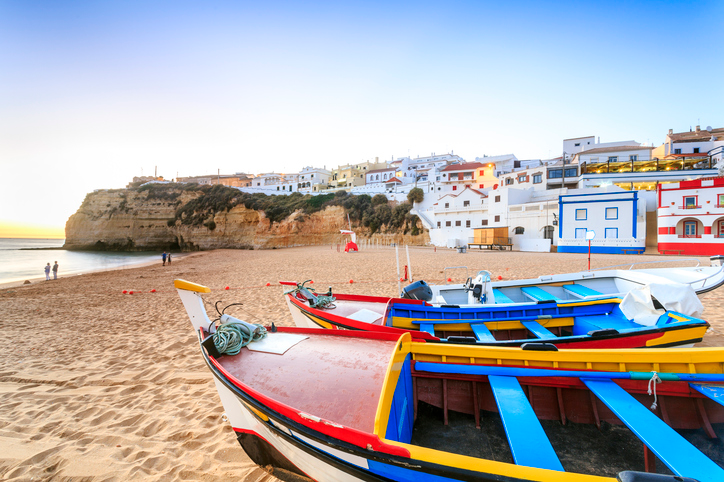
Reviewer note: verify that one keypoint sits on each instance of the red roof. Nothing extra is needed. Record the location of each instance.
(394, 179)
(470, 166)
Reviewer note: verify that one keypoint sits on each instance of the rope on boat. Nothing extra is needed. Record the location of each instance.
(232, 336)
(654, 381)
(316, 300)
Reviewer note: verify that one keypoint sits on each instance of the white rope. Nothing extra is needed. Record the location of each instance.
(654, 381)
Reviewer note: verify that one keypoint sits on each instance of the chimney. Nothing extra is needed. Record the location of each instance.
(698, 128)
(671, 131)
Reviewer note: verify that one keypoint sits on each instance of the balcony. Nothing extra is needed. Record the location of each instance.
(689, 207)
(690, 235)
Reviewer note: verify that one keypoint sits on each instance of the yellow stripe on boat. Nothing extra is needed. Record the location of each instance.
(414, 324)
(189, 286)
(402, 349)
(666, 360)
(319, 321)
(678, 336)
(491, 466)
(257, 412)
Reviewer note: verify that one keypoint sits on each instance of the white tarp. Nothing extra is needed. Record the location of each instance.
(681, 298)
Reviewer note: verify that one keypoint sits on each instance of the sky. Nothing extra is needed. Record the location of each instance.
(94, 93)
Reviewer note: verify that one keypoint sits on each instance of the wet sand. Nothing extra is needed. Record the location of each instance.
(96, 385)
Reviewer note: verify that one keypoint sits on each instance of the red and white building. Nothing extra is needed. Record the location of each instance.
(691, 217)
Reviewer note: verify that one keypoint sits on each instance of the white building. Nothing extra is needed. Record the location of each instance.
(313, 179)
(378, 176)
(617, 217)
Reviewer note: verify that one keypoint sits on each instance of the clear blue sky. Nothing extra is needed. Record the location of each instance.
(93, 93)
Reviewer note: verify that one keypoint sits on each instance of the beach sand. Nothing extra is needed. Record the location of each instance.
(96, 385)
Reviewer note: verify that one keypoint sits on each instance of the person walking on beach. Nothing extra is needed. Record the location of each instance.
(55, 270)
(168, 258)
(47, 272)
(163, 258)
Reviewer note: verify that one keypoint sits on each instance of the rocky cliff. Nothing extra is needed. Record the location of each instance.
(138, 220)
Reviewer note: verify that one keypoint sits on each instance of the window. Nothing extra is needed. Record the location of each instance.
(466, 203)
(509, 181)
(522, 178)
(457, 223)
(548, 232)
(555, 174)
(467, 223)
(578, 144)
(480, 186)
(497, 219)
(519, 230)
(497, 199)
(447, 224)
(438, 224)
(721, 200)
(447, 205)
(484, 223)
(571, 172)
(721, 229)
(613, 159)
(537, 178)
(689, 202)
(455, 188)
(611, 233)
(633, 158)
(581, 214)
(690, 228)
(580, 233)
(696, 150)
(677, 151)
(611, 213)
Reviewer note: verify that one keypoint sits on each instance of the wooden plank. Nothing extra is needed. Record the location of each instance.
(538, 330)
(528, 442)
(482, 333)
(715, 392)
(428, 327)
(500, 297)
(538, 294)
(682, 458)
(581, 291)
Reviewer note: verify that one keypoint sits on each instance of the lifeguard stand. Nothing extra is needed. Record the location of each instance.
(351, 244)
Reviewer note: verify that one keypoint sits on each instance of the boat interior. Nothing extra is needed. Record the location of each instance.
(595, 426)
(534, 321)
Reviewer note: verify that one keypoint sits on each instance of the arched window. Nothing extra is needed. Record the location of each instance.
(548, 232)
(377, 177)
(519, 230)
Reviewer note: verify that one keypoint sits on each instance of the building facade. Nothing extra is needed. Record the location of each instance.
(691, 217)
(618, 219)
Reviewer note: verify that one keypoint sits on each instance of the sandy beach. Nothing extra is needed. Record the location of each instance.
(97, 385)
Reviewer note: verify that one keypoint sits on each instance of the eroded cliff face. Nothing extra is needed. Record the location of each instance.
(129, 220)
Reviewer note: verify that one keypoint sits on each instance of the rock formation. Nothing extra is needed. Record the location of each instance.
(137, 220)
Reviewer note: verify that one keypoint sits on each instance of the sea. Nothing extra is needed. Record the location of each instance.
(24, 259)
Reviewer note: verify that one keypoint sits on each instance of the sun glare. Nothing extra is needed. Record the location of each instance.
(18, 230)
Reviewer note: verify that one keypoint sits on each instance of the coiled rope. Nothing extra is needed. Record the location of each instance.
(231, 337)
(316, 300)
(654, 381)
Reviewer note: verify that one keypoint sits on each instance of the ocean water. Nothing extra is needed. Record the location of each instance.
(24, 259)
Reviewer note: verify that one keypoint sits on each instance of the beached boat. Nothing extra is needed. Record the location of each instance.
(598, 283)
(340, 406)
(590, 323)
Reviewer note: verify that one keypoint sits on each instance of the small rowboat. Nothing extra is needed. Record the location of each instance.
(340, 405)
(594, 323)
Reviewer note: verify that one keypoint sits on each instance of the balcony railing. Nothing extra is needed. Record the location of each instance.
(689, 207)
(690, 235)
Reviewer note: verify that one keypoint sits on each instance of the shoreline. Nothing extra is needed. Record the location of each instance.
(140, 264)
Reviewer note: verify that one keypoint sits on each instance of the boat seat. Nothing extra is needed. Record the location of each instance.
(538, 330)
(682, 458)
(500, 297)
(482, 333)
(715, 392)
(537, 294)
(427, 327)
(527, 439)
(581, 291)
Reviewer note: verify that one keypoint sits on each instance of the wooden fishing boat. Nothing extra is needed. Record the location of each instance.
(340, 405)
(594, 323)
(598, 283)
